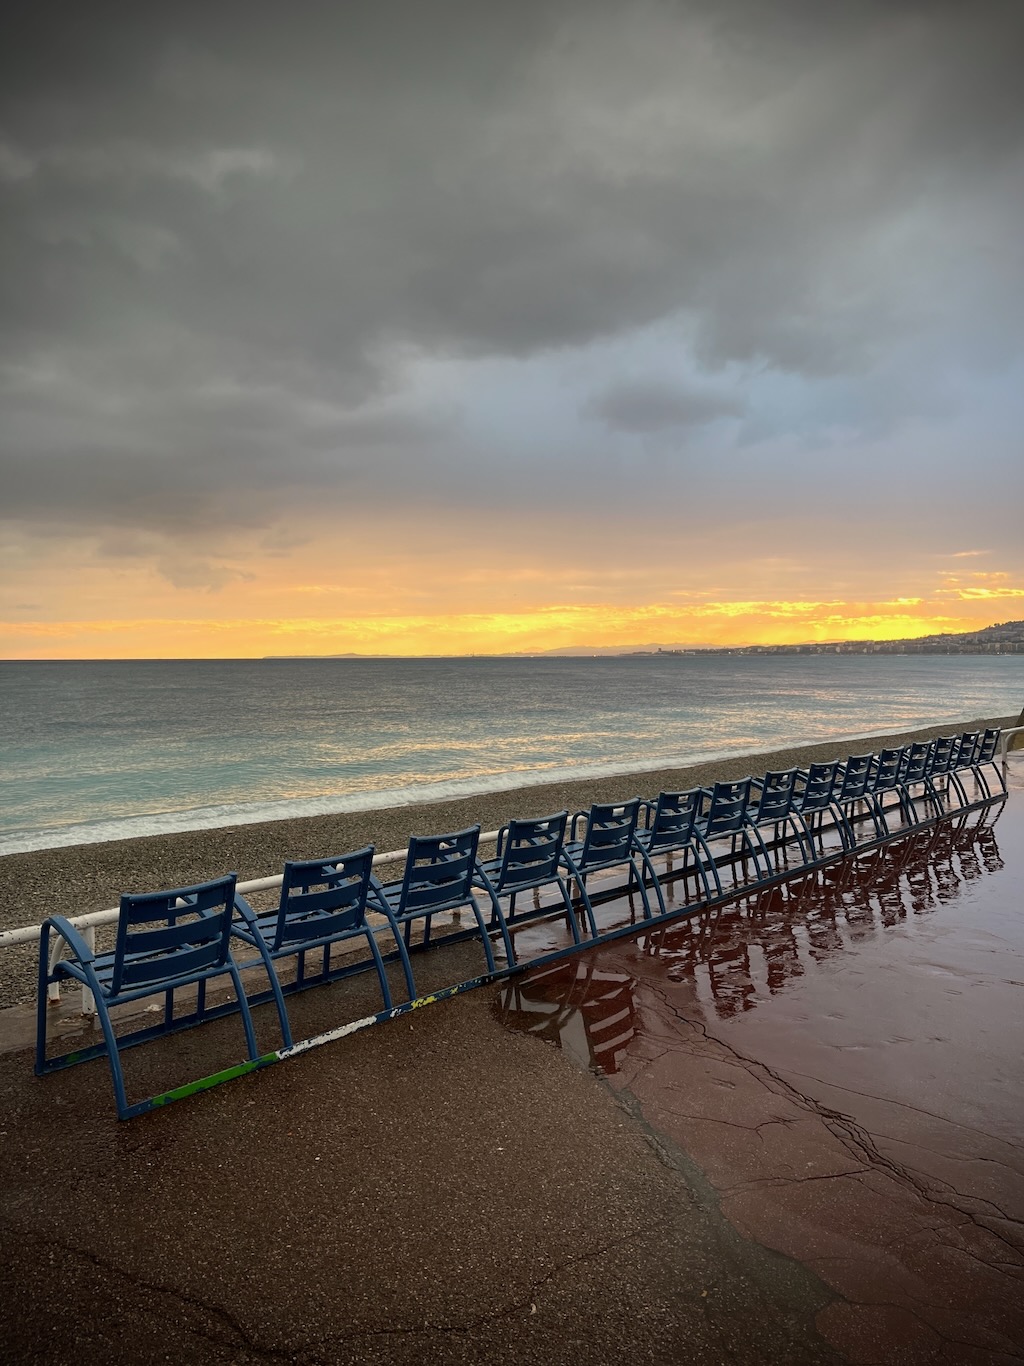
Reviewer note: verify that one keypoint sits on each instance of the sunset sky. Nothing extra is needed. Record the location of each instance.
(466, 327)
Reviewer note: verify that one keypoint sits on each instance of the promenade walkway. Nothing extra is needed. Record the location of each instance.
(446, 1188)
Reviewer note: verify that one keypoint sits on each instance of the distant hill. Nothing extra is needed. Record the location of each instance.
(1004, 638)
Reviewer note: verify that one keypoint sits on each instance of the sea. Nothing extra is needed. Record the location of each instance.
(94, 750)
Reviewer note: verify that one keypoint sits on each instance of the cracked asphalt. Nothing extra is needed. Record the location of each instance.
(439, 1189)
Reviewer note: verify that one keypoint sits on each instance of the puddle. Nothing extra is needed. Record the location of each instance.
(577, 1005)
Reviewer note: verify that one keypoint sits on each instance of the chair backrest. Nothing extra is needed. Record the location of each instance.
(965, 749)
(166, 938)
(531, 851)
(817, 785)
(988, 747)
(728, 808)
(853, 778)
(674, 816)
(321, 898)
(885, 772)
(775, 800)
(439, 871)
(609, 837)
(915, 761)
(942, 755)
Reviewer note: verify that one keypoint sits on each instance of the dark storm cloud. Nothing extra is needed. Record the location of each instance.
(230, 228)
(644, 407)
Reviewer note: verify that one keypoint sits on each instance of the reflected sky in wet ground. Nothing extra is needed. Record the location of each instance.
(897, 974)
(839, 1059)
(912, 957)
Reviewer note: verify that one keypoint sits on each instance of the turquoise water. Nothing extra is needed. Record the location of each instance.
(95, 750)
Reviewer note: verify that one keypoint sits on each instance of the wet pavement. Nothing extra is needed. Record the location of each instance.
(839, 1058)
(784, 1131)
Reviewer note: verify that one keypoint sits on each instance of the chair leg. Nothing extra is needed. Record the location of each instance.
(488, 951)
(585, 898)
(275, 987)
(381, 973)
(663, 909)
(706, 850)
(570, 914)
(243, 1006)
(498, 920)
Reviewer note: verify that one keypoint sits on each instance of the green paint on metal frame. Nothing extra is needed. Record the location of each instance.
(192, 1088)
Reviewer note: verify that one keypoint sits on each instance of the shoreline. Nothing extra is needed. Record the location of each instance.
(445, 793)
(78, 879)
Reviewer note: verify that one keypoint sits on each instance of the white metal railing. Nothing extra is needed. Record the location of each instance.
(26, 934)
(1004, 748)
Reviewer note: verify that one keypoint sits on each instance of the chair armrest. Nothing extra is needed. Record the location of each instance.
(71, 937)
(481, 879)
(377, 893)
(580, 815)
(245, 911)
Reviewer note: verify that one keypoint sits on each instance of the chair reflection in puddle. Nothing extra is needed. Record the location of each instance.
(575, 1003)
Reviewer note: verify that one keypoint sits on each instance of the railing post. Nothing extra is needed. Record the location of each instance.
(88, 1004)
(1004, 747)
(53, 990)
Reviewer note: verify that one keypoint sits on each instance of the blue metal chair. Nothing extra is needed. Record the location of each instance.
(886, 769)
(528, 858)
(963, 761)
(724, 816)
(772, 803)
(853, 788)
(439, 875)
(937, 770)
(670, 826)
(607, 843)
(914, 773)
(165, 941)
(324, 902)
(812, 799)
(985, 757)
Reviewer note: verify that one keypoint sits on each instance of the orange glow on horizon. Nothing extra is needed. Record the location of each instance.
(597, 625)
(624, 590)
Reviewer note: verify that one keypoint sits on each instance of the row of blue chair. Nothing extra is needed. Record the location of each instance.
(773, 825)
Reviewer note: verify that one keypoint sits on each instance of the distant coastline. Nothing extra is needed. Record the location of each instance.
(1003, 638)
